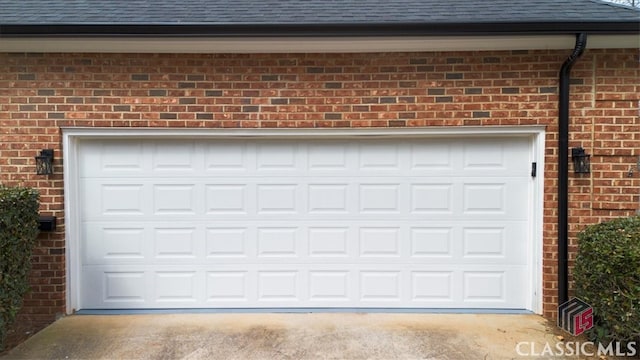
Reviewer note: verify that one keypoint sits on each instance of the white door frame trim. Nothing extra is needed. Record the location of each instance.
(72, 135)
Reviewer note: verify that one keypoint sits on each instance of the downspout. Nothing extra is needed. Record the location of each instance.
(563, 168)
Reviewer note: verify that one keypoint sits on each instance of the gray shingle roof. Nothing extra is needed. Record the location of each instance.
(172, 12)
(286, 18)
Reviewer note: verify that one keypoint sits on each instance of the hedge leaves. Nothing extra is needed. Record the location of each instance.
(18, 232)
(607, 277)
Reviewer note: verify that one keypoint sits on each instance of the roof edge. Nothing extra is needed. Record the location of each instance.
(325, 30)
(334, 44)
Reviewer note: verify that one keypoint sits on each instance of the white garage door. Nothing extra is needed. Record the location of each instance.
(392, 223)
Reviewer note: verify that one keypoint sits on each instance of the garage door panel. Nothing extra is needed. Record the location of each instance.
(476, 198)
(329, 242)
(226, 158)
(329, 198)
(228, 242)
(503, 156)
(278, 242)
(115, 243)
(484, 156)
(383, 157)
(379, 241)
(122, 287)
(231, 199)
(434, 241)
(312, 241)
(329, 285)
(175, 243)
(277, 157)
(321, 285)
(495, 198)
(432, 198)
(315, 223)
(431, 156)
(329, 158)
(114, 199)
(177, 288)
(500, 244)
(174, 156)
(174, 199)
(493, 287)
(228, 286)
(116, 158)
(278, 198)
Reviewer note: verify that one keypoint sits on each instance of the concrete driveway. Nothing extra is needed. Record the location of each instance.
(288, 336)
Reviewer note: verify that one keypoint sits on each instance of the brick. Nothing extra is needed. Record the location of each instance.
(27, 107)
(325, 90)
(168, 116)
(333, 85)
(443, 99)
(140, 77)
(454, 76)
(213, 93)
(435, 91)
(75, 100)
(46, 92)
(101, 93)
(332, 116)
(510, 90)
(195, 77)
(187, 101)
(481, 114)
(491, 60)
(122, 108)
(250, 108)
(204, 116)
(425, 68)
(26, 77)
(55, 115)
(157, 92)
(279, 101)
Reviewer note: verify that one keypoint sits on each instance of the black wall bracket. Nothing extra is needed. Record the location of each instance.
(47, 223)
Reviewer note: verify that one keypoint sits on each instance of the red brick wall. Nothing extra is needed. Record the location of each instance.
(39, 93)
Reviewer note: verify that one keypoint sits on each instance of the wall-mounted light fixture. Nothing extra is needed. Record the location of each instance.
(44, 162)
(581, 162)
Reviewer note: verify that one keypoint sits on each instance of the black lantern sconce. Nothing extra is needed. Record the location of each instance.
(44, 162)
(581, 162)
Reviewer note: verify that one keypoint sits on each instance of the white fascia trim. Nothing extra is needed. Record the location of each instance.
(237, 133)
(308, 44)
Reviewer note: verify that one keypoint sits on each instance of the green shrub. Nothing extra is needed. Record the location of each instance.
(18, 232)
(607, 277)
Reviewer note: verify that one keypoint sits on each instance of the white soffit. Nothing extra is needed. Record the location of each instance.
(309, 44)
